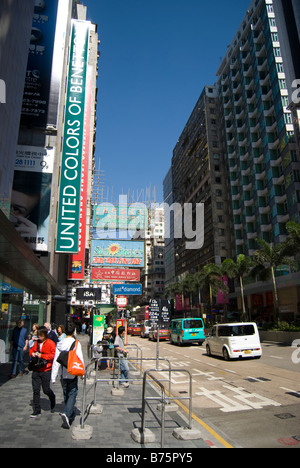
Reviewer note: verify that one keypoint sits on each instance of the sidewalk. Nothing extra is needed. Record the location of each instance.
(111, 429)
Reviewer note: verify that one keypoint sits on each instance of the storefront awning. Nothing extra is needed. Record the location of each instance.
(19, 263)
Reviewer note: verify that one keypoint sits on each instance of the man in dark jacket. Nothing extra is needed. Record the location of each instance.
(19, 342)
(51, 333)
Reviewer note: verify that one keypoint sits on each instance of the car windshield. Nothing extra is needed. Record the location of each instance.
(192, 324)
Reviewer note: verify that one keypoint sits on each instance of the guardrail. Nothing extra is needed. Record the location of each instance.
(164, 401)
(116, 379)
(165, 398)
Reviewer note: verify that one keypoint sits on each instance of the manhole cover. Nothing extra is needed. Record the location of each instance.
(284, 416)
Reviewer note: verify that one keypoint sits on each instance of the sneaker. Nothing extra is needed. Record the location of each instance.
(35, 414)
(65, 419)
(125, 384)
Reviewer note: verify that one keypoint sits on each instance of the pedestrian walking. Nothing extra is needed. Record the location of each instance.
(43, 348)
(98, 354)
(68, 381)
(110, 349)
(19, 343)
(83, 328)
(122, 354)
(61, 332)
(51, 333)
(33, 335)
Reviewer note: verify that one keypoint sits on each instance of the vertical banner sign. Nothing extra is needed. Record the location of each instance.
(77, 261)
(67, 239)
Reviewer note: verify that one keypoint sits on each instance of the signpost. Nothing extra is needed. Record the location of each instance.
(122, 301)
(159, 316)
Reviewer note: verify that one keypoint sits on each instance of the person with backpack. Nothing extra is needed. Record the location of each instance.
(69, 381)
(44, 349)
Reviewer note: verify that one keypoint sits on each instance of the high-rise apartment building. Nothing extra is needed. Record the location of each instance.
(239, 152)
(198, 176)
(255, 81)
(153, 275)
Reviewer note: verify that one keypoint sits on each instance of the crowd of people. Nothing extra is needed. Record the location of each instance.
(45, 345)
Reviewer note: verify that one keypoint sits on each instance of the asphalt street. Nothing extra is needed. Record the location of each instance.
(244, 403)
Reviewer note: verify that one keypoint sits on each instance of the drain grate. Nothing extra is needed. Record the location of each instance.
(284, 416)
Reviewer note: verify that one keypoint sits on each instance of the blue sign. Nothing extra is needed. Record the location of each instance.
(127, 289)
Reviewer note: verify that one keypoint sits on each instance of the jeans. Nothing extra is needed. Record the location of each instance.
(70, 390)
(124, 367)
(41, 379)
(18, 356)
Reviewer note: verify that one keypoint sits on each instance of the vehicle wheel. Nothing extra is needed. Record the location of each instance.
(208, 351)
(226, 354)
(200, 343)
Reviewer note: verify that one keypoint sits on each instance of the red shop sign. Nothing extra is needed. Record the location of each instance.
(115, 274)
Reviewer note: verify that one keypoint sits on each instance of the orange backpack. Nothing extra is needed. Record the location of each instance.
(75, 365)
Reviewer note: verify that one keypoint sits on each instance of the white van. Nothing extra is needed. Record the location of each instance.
(234, 341)
(145, 328)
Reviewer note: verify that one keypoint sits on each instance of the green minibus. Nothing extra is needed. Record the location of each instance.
(187, 330)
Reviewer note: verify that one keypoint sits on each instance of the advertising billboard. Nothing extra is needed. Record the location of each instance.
(117, 253)
(67, 236)
(115, 274)
(39, 66)
(127, 289)
(31, 195)
(77, 261)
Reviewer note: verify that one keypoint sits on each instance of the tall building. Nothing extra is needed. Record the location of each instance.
(153, 275)
(199, 176)
(255, 81)
(239, 153)
(33, 275)
(169, 254)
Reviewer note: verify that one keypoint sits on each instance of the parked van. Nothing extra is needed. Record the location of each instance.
(145, 327)
(234, 341)
(187, 330)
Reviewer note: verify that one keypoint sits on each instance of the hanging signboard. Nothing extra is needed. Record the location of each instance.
(98, 328)
(77, 261)
(159, 312)
(115, 274)
(67, 240)
(117, 253)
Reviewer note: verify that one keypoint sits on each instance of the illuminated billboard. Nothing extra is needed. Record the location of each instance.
(118, 253)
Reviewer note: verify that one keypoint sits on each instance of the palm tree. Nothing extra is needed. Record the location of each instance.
(189, 285)
(210, 277)
(294, 236)
(266, 259)
(239, 270)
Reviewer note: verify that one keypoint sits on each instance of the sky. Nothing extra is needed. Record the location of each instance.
(156, 57)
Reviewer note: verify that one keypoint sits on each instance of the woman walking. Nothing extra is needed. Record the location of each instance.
(43, 348)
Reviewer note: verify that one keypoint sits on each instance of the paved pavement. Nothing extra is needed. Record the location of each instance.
(111, 429)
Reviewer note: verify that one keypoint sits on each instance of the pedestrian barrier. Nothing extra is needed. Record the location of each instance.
(145, 436)
(142, 435)
(116, 378)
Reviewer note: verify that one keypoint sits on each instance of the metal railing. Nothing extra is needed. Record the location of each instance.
(163, 399)
(148, 376)
(116, 378)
